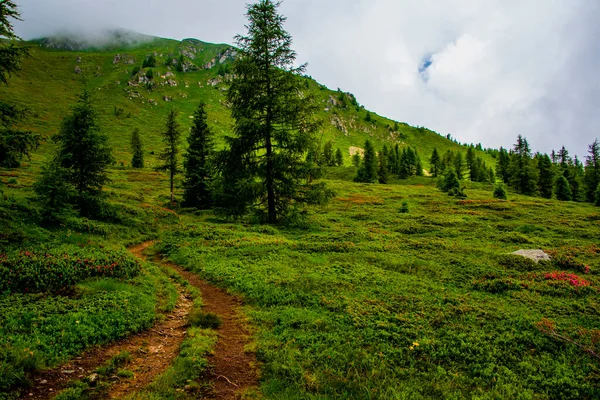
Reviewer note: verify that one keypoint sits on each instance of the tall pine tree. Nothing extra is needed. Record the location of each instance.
(170, 155)
(592, 170)
(137, 149)
(367, 172)
(14, 142)
(264, 163)
(197, 163)
(545, 176)
(523, 176)
(435, 163)
(84, 153)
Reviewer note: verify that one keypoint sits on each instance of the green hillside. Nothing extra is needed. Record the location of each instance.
(186, 73)
(394, 291)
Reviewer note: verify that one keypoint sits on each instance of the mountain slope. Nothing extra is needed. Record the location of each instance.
(185, 73)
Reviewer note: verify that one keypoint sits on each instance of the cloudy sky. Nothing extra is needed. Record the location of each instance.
(481, 70)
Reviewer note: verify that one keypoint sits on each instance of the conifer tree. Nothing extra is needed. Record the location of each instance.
(459, 165)
(367, 172)
(382, 171)
(575, 177)
(356, 159)
(418, 164)
(197, 163)
(435, 163)
(523, 174)
(449, 181)
(84, 153)
(328, 157)
(137, 159)
(592, 170)
(392, 161)
(14, 142)
(472, 165)
(54, 193)
(339, 158)
(545, 176)
(313, 164)
(404, 165)
(503, 165)
(170, 155)
(563, 189)
(264, 163)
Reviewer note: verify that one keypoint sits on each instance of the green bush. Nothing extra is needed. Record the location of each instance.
(59, 269)
(449, 181)
(135, 70)
(149, 62)
(404, 209)
(597, 195)
(500, 192)
(197, 318)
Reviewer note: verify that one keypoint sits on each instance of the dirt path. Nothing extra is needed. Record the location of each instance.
(234, 372)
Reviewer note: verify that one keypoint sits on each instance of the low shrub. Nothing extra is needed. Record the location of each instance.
(198, 318)
(59, 269)
(500, 192)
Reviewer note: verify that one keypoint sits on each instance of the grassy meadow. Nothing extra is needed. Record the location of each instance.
(364, 301)
(391, 291)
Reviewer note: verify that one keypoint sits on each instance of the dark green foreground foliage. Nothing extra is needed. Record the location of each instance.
(366, 302)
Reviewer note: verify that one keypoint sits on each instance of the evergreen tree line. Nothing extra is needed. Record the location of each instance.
(556, 175)
(470, 166)
(378, 166)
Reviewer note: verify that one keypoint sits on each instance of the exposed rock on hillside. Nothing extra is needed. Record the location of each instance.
(535, 255)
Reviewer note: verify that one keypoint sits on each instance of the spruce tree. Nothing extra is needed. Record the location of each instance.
(404, 164)
(328, 157)
(14, 142)
(472, 165)
(367, 172)
(449, 181)
(137, 159)
(563, 189)
(545, 176)
(435, 163)
(503, 165)
(197, 163)
(264, 163)
(576, 178)
(84, 153)
(592, 171)
(54, 193)
(522, 173)
(459, 165)
(382, 171)
(356, 159)
(418, 164)
(339, 158)
(170, 155)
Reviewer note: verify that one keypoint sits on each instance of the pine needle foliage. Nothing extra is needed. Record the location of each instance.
(170, 154)
(263, 166)
(137, 149)
(198, 163)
